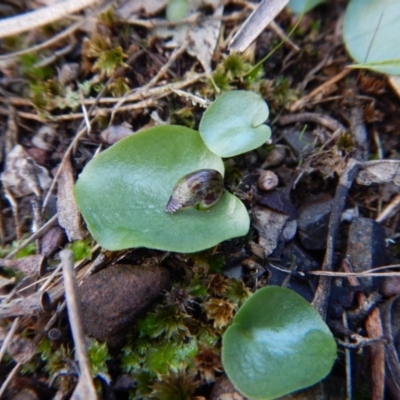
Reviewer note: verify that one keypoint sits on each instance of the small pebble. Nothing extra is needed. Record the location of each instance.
(275, 157)
(69, 72)
(268, 180)
(114, 133)
(45, 138)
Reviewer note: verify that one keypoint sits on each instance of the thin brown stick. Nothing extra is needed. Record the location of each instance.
(320, 301)
(50, 223)
(304, 100)
(9, 378)
(373, 326)
(318, 118)
(8, 338)
(391, 209)
(85, 388)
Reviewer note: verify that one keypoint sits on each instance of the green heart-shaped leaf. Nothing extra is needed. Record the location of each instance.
(368, 31)
(277, 344)
(123, 191)
(234, 123)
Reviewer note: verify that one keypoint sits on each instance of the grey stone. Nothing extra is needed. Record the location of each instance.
(313, 224)
(366, 246)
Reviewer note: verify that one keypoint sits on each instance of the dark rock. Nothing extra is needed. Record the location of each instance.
(390, 286)
(300, 142)
(340, 299)
(235, 272)
(366, 247)
(313, 224)
(278, 201)
(294, 253)
(289, 230)
(25, 388)
(114, 298)
(294, 282)
(124, 383)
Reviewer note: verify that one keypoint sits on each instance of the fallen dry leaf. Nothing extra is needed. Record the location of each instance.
(269, 225)
(131, 8)
(22, 176)
(202, 37)
(68, 215)
(381, 171)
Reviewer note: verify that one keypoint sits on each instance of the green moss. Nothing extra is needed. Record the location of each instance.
(175, 386)
(30, 70)
(98, 356)
(81, 249)
(109, 60)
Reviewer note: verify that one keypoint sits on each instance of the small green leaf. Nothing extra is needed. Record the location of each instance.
(299, 6)
(368, 31)
(122, 194)
(234, 123)
(176, 9)
(277, 344)
(390, 67)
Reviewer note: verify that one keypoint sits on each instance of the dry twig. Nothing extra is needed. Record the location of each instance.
(320, 301)
(43, 16)
(85, 389)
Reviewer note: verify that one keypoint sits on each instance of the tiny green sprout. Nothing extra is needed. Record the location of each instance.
(130, 361)
(71, 99)
(109, 60)
(197, 288)
(60, 359)
(119, 86)
(169, 355)
(98, 357)
(345, 142)
(143, 381)
(44, 94)
(168, 322)
(235, 66)
(178, 385)
(96, 45)
(107, 18)
(81, 249)
(45, 349)
(26, 251)
(220, 80)
(184, 116)
(13, 43)
(237, 292)
(31, 71)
